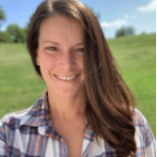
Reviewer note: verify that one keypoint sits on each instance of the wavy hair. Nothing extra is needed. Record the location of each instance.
(110, 102)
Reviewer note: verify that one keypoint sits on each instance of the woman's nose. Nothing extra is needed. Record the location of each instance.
(67, 60)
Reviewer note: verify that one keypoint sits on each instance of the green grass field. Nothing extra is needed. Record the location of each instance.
(20, 86)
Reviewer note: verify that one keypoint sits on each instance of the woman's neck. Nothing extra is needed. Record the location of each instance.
(66, 108)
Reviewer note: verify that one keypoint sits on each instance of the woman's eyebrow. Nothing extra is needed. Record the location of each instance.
(48, 41)
(56, 43)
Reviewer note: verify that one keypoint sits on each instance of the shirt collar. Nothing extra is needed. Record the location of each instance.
(38, 114)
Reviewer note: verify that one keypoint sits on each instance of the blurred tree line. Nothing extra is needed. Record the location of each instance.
(15, 34)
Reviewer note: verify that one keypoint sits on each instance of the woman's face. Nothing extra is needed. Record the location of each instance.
(61, 54)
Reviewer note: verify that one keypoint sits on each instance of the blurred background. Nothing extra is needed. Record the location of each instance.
(130, 30)
(140, 15)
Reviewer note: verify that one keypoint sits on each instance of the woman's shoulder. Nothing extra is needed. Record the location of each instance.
(140, 121)
(139, 118)
(16, 117)
(143, 132)
(27, 116)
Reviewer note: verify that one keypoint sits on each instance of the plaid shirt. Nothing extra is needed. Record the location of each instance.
(30, 133)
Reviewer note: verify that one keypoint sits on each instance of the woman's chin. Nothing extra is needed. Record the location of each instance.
(67, 93)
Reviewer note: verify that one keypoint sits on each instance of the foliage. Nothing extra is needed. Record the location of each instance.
(143, 33)
(5, 37)
(26, 28)
(17, 34)
(120, 32)
(2, 15)
(125, 31)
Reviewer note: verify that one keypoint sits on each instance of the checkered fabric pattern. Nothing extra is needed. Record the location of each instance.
(30, 133)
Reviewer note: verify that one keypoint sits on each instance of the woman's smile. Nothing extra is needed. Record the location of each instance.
(61, 55)
(66, 80)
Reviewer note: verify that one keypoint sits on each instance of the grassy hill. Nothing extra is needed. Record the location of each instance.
(136, 57)
(20, 87)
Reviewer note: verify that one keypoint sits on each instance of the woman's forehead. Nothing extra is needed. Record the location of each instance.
(60, 27)
(60, 20)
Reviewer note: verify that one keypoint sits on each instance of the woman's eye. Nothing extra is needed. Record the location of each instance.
(80, 49)
(52, 48)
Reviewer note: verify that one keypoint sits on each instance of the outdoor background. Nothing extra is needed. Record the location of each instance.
(130, 30)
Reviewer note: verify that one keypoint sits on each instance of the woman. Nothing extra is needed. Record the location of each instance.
(87, 109)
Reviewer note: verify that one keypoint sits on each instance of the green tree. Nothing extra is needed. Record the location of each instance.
(129, 30)
(2, 15)
(27, 26)
(17, 34)
(120, 32)
(125, 31)
(5, 37)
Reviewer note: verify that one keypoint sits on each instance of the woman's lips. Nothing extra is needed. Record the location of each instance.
(66, 81)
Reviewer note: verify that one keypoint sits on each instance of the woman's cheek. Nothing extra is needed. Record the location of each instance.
(48, 61)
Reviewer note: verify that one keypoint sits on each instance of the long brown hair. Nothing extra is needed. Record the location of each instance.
(110, 102)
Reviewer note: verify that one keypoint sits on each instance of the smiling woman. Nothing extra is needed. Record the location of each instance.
(58, 58)
(87, 108)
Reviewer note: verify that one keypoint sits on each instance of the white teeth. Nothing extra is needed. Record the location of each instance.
(68, 78)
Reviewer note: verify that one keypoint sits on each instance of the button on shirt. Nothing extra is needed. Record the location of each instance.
(30, 133)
